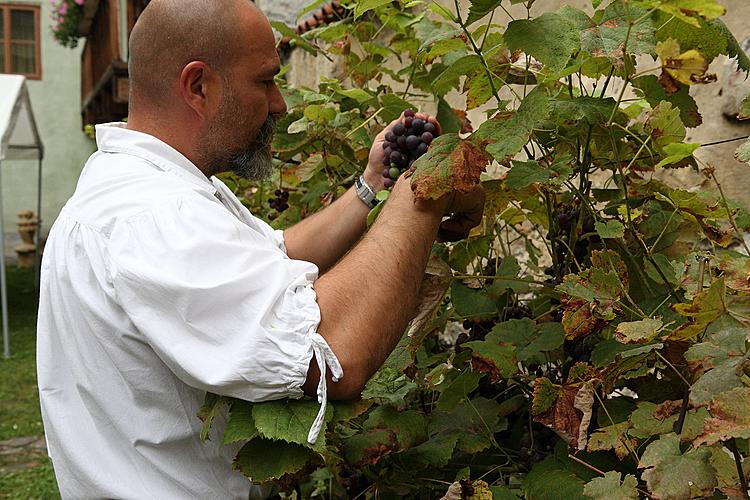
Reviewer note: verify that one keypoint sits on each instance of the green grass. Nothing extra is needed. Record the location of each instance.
(19, 396)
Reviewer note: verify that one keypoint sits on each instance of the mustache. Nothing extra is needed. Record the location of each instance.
(265, 134)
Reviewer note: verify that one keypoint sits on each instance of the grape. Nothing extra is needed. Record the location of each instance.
(418, 126)
(405, 142)
(412, 142)
(388, 183)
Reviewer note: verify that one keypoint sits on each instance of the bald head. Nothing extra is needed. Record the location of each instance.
(171, 33)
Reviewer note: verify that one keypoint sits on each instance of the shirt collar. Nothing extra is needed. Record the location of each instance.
(117, 138)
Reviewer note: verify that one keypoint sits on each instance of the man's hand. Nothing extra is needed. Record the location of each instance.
(374, 171)
(465, 211)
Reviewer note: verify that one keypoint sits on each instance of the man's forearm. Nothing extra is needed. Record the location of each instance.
(326, 236)
(367, 299)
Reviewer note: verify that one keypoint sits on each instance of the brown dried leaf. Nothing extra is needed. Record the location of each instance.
(451, 164)
(435, 284)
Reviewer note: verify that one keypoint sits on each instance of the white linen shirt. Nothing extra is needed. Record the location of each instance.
(157, 286)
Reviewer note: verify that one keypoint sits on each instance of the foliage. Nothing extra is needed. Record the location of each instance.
(592, 341)
(66, 15)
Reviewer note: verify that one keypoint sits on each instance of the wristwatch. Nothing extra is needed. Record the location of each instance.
(365, 192)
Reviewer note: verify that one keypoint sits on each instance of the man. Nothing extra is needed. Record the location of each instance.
(158, 285)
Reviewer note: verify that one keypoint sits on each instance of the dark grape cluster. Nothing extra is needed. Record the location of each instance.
(535, 450)
(404, 143)
(280, 202)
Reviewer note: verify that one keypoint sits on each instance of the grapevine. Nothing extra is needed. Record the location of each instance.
(590, 338)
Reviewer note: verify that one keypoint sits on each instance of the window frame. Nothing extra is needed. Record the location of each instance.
(7, 40)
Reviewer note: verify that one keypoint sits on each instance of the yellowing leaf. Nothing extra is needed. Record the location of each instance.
(688, 68)
(638, 332)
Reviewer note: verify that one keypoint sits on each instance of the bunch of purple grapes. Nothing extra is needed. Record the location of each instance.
(280, 202)
(404, 143)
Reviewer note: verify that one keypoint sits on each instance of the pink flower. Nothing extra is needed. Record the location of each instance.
(63, 9)
(79, 2)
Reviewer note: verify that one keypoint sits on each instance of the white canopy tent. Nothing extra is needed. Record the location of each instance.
(19, 140)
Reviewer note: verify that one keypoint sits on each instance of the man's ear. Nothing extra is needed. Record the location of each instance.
(198, 88)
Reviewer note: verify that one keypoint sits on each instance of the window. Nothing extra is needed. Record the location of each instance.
(19, 40)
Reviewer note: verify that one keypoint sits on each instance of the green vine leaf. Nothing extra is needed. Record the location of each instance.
(610, 488)
(648, 87)
(744, 113)
(550, 38)
(613, 437)
(526, 173)
(670, 474)
(743, 152)
(363, 6)
(389, 386)
(449, 79)
(664, 125)
(609, 33)
(507, 133)
(289, 420)
(553, 479)
(499, 361)
(458, 390)
(241, 425)
(530, 339)
(676, 153)
(480, 8)
(450, 164)
(474, 421)
(265, 459)
(610, 229)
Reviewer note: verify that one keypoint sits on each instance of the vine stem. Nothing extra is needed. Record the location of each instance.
(683, 412)
(364, 123)
(673, 368)
(732, 445)
(585, 464)
(477, 51)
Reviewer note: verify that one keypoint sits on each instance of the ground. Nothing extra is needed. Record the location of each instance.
(25, 470)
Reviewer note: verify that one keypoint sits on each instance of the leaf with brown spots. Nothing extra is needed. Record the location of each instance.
(730, 417)
(451, 164)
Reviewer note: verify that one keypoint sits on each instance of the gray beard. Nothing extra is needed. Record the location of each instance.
(255, 162)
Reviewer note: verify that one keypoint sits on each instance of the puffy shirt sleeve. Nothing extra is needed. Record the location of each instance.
(220, 302)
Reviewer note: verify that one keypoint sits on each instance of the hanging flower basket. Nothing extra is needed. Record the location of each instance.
(66, 17)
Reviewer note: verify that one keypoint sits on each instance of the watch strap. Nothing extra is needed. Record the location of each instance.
(365, 192)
